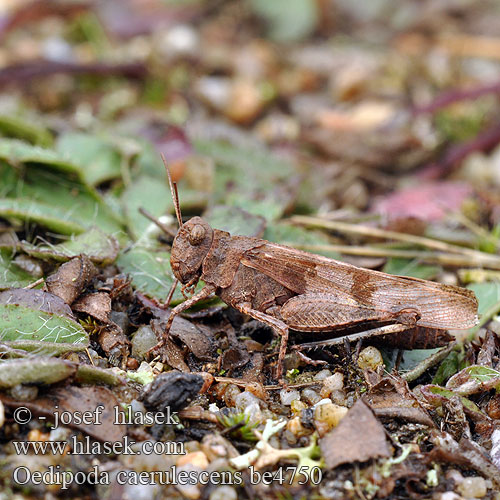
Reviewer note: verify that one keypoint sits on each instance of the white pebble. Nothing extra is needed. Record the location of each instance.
(223, 493)
(322, 402)
(288, 395)
(472, 487)
(322, 375)
(245, 399)
(332, 383)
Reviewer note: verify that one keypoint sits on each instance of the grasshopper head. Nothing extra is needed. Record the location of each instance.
(190, 247)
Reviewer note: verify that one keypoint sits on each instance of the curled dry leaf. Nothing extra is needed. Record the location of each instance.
(97, 305)
(391, 398)
(198, 338)
(98, 246)
(71, 279)
(343, 443)
(114, 342)
(89, 374)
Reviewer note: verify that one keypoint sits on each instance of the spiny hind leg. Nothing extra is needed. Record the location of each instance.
(276, 324)
(323, 312)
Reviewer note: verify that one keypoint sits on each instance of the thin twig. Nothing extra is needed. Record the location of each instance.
(429, 362)
(242, 383)
(445, 259)
(345, 227)
(34, 284)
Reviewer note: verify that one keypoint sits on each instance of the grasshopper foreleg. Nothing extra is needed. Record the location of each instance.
(204, 293)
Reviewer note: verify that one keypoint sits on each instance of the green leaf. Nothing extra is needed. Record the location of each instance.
(38, 370)
(289, 20)
(41, 213)
(488, 296)
(14, 126)
(97, 159)
(51, 192)
(19, 322)
(448, 367)
(474, 379)
(298, 237)
(437, 395)
(16, 152)
(150, 272)
(408, 267)
(149, 193)
(235, 220)
(410, 359)
(12, 276)
(253, 179)
(96, 245)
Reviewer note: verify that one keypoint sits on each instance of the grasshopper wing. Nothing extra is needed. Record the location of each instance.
(437, 305)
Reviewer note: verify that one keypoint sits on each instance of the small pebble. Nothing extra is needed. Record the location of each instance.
(140, 491)
(294, 425)
(311, 396)
(322, 375)
(37, 435)
(224, 492)
(297, 406)
(370, 357)
(322, 402)
(135, 407)
(196, 458)
(332, 383)
(327, 416)
(245, 399)
(288, 395)
(216, 447)
(472, 487)
(230, 394)
(189, 490)
(254, 414)
(192, 446)
(59, 434)
(338, 397)
(132, 364)
(142, 341)
(290, 437)
(450, 495)
(257, 389)
(22, 392)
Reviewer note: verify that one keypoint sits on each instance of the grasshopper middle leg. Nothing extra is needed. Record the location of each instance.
(277, 325)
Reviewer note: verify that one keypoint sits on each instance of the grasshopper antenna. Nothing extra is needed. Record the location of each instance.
(175, 194)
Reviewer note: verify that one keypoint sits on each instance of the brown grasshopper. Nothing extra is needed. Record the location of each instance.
(288, 289)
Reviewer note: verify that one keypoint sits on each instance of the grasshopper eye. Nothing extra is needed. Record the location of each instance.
(197, 235)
